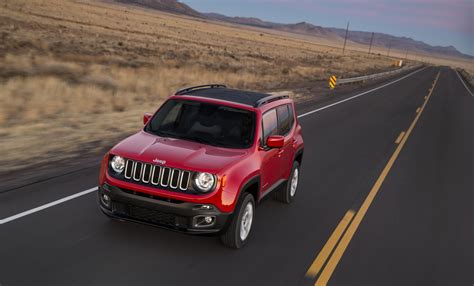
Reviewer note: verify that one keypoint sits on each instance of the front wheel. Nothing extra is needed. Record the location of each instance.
(238, 232)
(287, 193)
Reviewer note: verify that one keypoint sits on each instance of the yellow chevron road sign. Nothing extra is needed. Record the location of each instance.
(332, 81)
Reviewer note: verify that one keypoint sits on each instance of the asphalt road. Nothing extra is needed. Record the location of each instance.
(373, 207)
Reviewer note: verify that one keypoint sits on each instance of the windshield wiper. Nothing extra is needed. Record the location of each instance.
(198, 139)
(213, 142)
(162, 133)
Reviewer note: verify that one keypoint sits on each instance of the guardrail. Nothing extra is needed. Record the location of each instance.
(467, 77)
(374, 76)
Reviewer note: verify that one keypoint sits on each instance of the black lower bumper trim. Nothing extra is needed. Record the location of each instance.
(175, 215)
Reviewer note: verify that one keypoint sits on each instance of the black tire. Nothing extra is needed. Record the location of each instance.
(231, 238)
(284, 193)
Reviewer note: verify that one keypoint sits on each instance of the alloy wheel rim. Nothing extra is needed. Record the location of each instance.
(246, 222)
(294, 183)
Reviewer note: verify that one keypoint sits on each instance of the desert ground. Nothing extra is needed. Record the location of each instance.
(75, 76)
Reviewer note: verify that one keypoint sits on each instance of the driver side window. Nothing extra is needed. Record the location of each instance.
(269, 125)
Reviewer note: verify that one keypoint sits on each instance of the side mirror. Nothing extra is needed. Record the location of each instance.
(146, 117)
(275, 141)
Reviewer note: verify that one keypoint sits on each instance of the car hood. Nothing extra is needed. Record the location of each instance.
(177, 153)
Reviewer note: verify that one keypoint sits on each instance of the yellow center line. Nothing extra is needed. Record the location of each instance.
(341, 247)
(330, 244)
(399, 139)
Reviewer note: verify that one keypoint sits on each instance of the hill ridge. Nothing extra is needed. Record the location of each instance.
(304, 28)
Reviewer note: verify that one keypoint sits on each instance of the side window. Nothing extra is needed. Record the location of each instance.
(269, 124)
(284, 120)
(292, 116)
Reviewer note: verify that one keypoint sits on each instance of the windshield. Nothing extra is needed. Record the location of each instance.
(206, 123)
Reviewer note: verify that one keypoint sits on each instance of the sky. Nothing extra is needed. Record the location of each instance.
(436, 22)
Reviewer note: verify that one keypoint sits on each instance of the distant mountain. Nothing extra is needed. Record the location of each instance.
(309, 29)
(400, 43)
(380, 39)
(241, 20)
(170, 6)
(298, 28)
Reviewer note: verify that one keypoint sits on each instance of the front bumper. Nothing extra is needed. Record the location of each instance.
(162, 212)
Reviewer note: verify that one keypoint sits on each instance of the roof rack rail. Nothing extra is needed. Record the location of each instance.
(269, 99)
(188, 89)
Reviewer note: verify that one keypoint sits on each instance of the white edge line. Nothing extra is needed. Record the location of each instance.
(463, 83)
(71, 197)
(360, 94)
(48, 205)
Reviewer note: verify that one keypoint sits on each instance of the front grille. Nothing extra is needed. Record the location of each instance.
(159, 176)
(152, 216)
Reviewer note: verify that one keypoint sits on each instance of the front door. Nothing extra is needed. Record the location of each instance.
(271, 158)
(285, 127)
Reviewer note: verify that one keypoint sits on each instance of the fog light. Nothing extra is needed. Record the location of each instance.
(105, 200)
(204, 221)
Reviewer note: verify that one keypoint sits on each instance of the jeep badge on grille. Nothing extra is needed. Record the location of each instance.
(158, 161)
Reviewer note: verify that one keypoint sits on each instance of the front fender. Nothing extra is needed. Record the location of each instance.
(237, 179)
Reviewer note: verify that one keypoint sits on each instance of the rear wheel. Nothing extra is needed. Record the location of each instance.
(236, 236)
(288, 191)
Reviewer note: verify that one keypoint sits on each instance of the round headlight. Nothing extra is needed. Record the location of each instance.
(118, 164)
(204, 181)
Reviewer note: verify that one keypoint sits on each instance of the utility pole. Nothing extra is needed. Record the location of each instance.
(345, 38)
(371, 40)
(389, 47)
(406, 55)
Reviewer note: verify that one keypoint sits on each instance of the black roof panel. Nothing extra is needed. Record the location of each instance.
(234, 95)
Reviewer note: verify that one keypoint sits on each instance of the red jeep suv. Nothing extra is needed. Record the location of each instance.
(203, 161)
